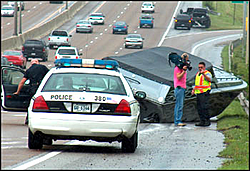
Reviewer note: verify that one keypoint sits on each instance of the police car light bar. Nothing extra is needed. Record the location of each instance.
(87, 63)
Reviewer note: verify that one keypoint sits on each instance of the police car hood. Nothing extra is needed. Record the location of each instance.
(153, 64)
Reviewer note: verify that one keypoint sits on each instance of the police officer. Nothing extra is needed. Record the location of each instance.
(202, 90)
(35, 74)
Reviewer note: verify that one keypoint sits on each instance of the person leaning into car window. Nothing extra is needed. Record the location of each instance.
(35, 74)
(180, 76)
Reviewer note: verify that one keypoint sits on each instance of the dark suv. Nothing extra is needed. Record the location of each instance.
(199, 16)
(182, 20)
(35, 49)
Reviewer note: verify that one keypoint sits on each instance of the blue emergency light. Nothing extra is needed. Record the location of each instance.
(87, 63)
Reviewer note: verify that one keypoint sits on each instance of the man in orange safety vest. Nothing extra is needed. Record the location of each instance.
(202, 89)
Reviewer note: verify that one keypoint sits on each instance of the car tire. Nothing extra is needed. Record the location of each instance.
(51, 46)
(34, 141)
(140, 26)
(126, 46)
(188, 28)
(141, 46)
(126, 32)
(207, 24)
(152, 26)
(129, 144)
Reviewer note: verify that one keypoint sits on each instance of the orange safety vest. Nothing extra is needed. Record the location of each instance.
(201, 84)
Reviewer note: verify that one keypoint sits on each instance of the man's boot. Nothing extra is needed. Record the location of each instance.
(207, 122)
(201, 123)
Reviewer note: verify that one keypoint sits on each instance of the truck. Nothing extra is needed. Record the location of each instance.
(33, 48)
(59, 38)
(146, 20)
(199, 16)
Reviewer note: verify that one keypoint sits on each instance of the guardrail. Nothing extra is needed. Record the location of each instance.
(243, 101)
(16, 42)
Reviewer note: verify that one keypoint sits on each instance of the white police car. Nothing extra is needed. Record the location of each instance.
(84, 99)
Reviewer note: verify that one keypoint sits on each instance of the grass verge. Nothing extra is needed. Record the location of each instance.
(233, 121)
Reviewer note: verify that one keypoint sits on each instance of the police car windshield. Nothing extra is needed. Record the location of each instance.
(59, 82)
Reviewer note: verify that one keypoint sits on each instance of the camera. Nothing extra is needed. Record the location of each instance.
(179, 61)
(187, 63)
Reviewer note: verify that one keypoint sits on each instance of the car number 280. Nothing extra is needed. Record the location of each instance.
(81, 107)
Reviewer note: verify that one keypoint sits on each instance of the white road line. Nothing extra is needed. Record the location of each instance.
(171, 21)
(200, 44)
(41, 159)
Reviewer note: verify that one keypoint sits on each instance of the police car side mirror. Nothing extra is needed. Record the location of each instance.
(140, 95)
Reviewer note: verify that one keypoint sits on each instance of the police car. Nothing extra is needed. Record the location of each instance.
(84, 99)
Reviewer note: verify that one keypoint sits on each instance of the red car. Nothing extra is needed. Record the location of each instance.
(16, 57)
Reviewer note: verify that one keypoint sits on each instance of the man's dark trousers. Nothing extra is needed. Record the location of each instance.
(203, 106)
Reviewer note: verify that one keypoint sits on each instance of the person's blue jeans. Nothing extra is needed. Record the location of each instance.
(179, 101)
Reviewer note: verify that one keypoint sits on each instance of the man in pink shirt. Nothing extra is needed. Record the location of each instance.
(180, 76)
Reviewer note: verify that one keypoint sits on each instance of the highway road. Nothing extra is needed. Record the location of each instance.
(34, 14)
(161, 146)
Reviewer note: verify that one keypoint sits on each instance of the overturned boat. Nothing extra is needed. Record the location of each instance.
(149, 70)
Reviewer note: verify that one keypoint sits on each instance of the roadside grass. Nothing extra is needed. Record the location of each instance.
(225, 20)
(233, 121)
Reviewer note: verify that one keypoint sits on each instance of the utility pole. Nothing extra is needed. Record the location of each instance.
(66, 4)
(20, 19)
(15, 20)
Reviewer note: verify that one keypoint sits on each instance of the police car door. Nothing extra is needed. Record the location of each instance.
(11, 76)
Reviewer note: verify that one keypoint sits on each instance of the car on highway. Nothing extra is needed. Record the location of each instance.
(134, 40)
(148, 7)
(67, 52)
(200, 17)
(84, 26)
(34, 48)
(120, 27)
(84, 99)
(7, 11)
(4, 61)
(96, 18)
(59, 38)
(15, 57)
(56, 2)
(146, 20)
(20, 4)
(182, 21)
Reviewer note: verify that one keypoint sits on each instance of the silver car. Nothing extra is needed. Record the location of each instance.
(7, 10)
(134, 40)
(84, 26)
